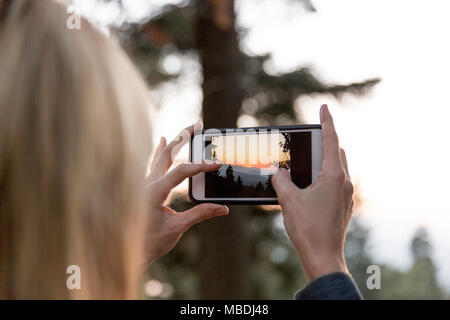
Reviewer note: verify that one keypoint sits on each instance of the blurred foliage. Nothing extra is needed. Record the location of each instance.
(171, 32)
(417, 282)
(275, 272)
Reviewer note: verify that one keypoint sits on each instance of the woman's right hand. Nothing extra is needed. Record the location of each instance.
(316, 218)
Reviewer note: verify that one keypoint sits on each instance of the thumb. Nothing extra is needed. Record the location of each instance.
(202, 212)
(283, 185)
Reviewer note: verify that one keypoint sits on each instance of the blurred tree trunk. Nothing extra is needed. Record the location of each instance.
(225, 250)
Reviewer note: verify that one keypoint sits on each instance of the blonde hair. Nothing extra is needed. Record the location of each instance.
(74, 144)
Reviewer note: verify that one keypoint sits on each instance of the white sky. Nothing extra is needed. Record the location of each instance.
(395, 137)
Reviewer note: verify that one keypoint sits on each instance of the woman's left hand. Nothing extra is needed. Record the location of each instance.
(166, 225)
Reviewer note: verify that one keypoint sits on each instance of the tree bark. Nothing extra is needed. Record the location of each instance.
(225, 249)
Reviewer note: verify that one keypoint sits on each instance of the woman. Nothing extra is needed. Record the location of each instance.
(74, 143)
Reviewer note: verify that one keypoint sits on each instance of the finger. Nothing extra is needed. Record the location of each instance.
(195, 127)
(330, 141)
(283, 185)
(201, 213)
(184, 137)
(345, 164)
(169, 181)
(169, 152)
(158, 150)
(350, 213)
(164, 161)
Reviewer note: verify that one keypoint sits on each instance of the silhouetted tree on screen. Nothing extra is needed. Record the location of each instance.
(239, 182)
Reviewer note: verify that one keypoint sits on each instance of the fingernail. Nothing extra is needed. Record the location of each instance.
(322, 110)
(198, 125)
(221, 210)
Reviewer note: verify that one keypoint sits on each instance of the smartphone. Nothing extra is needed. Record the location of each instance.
(249, 158)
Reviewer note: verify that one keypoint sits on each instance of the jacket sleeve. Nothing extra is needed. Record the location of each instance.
(333, 286)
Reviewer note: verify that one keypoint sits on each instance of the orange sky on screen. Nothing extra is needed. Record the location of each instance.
(248, 154)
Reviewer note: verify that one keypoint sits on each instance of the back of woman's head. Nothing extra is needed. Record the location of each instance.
(74, 140)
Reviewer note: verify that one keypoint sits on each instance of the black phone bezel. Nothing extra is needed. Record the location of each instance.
(224, 130)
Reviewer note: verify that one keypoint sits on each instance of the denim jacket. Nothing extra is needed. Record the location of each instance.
(332, 286)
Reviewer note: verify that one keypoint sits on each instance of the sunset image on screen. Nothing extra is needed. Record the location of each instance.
(264, 151)
(250, 160)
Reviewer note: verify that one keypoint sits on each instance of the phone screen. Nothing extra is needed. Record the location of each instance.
(250, 159)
